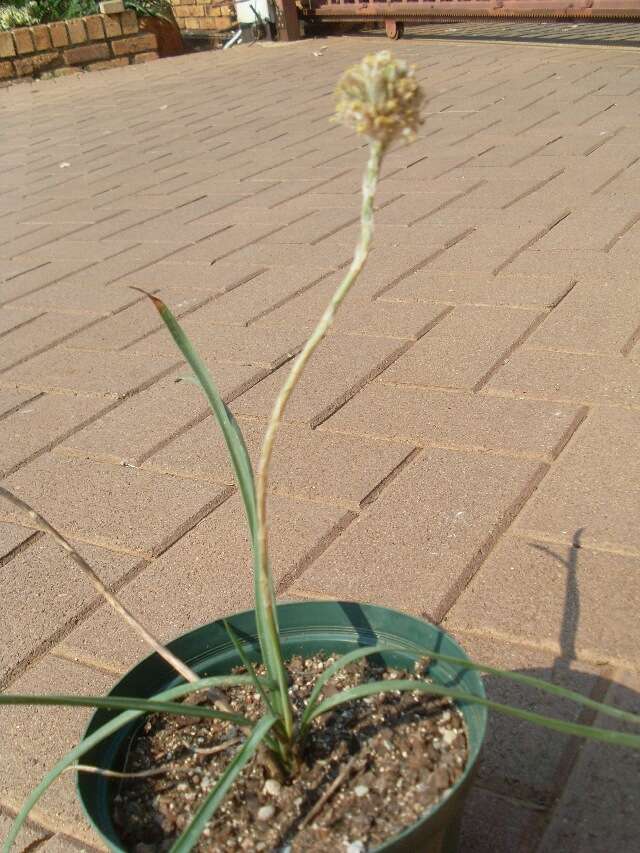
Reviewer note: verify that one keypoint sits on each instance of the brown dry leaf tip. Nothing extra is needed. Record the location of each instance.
(380, 98)
(155, 299)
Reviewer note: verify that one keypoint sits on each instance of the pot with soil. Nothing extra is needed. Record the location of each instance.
(389, 772)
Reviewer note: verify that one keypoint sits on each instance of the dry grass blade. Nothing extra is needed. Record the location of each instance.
(117, 774)
(173, 661)
(214, 750)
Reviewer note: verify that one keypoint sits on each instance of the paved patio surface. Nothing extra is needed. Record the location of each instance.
(465, 445)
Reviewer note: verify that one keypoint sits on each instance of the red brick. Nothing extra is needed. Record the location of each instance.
(592, 486)
(59, 34)
(134, 430)
(136, 44)
(148, 56)
(599, 806)
(584, 378)
(203, 23)
(77, 32)
(7, 47)
(108, 63)
(23, 40)
(41, 37)
(600, 315)
(129, 22)
(521, 760)
(420, 542)
(472, 422)
(307, 464)
(6, 70)
(35, 738)
(339, 368)
(110, 375)
(35, 572)
(504, 600)
(112, 26)
(496, 824)
(122, 509)
(462, 348)
(219, 540)
(32, 64)
(95, 29)
(87, 54)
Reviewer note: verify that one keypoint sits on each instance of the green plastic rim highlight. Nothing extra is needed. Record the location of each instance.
(306, 628)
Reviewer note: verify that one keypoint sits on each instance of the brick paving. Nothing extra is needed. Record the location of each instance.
(464, 446)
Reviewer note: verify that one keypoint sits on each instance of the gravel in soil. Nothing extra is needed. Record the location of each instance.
(387, 759)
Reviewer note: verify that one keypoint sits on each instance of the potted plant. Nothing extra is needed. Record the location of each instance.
(309, 726)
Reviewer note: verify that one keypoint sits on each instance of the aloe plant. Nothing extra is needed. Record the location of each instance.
(380, 99)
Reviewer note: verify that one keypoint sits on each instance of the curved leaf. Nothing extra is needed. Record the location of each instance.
(126, 703)
(404, 685)
(99, 735)
(213, 799)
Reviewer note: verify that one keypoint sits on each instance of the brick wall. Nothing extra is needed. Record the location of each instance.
(67, 47)
(203, 16)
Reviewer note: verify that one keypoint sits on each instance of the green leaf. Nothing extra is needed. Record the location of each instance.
(125, 703)
(241, 462)
(404, 685)
(103, 732)
(537, 683)
(327, 675)
(248, 666)
(213, 799)
(235, 444)
(465, 663)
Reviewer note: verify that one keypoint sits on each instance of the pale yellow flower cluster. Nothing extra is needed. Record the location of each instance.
(380, 98)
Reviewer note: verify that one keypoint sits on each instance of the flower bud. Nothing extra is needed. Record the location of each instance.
(380, 98)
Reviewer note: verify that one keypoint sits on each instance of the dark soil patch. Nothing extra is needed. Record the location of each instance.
(397, 754)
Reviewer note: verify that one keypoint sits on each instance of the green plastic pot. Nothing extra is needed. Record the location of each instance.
(306, 628)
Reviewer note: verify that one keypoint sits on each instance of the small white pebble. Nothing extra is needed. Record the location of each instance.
(272, 788)
(266, 813)
(355, 847)
(448, 736)
(361, 791)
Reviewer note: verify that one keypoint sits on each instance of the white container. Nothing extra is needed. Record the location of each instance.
(245, 14)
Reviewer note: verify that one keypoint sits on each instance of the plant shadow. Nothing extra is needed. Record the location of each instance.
(533, 780)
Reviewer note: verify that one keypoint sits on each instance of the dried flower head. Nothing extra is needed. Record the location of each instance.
(380, 98)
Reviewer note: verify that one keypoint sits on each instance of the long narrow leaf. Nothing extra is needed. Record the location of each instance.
(404, 685)
(258, 683)
(213, 799)
(269, 640)
(101, 734)
(464, 663)
(538, 684)
(340, 663)
(125, 703)
(248, 666)
(235, 445)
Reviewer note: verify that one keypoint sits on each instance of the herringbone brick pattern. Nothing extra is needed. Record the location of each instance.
(465, 445)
